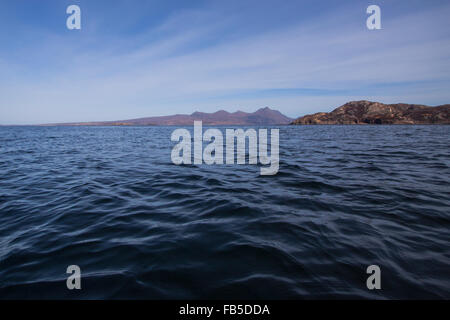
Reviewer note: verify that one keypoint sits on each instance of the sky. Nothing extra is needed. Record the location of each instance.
(138, 58)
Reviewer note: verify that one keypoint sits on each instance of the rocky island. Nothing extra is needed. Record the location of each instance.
(367, 112)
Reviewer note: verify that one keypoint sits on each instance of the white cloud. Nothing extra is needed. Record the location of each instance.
(169, 76)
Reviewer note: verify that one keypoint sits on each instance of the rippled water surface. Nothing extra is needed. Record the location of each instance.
(109, 200)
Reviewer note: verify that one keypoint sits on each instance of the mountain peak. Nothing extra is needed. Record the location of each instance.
(264, 109)
(221, 112)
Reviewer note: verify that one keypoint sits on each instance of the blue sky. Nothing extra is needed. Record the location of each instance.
(139, 58)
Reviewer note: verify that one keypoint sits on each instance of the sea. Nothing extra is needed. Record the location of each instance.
(110, 201)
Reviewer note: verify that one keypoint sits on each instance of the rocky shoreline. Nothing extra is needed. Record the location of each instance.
(367, 112)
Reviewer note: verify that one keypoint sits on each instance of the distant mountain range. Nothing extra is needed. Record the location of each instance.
(355, 112)
(263, 116)
(367, 112)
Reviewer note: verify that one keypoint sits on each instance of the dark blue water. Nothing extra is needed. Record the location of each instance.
(109, 200)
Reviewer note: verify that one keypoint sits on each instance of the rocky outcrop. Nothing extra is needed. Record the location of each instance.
(367, 112)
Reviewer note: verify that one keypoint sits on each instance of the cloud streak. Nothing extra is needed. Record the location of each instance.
(192, 60)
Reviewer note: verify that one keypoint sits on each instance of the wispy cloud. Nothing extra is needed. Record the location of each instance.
(209, 56)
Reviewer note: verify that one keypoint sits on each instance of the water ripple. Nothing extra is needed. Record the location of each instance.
(109, 200)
